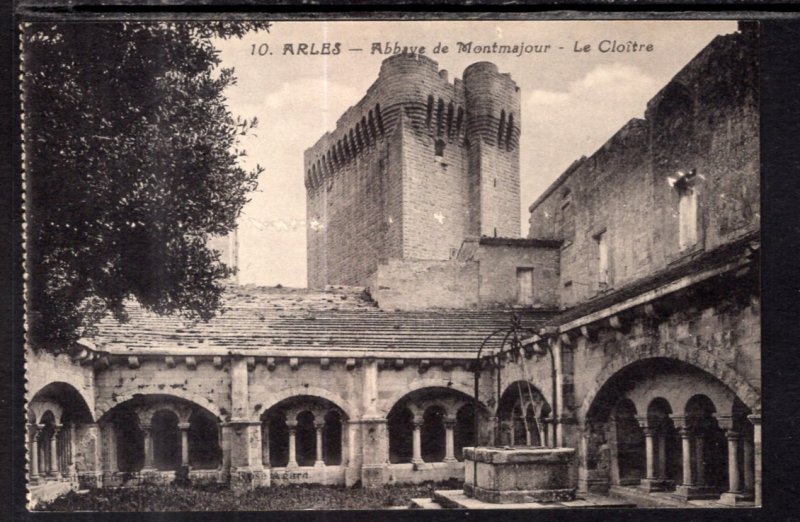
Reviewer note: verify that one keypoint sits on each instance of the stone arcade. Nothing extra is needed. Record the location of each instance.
(640, 272)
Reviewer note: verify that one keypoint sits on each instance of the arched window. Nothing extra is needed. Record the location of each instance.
(630, 443)
(204, 449)
(433, 434)
(439, 149)
(332, 439)
(709, 462)
(306, 439)
(510, 132)
(464, 435)
(501, 128)
(401, 431)
(440, 118)
(166, 440)
(658, 416)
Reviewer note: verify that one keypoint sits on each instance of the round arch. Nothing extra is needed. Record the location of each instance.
(68, 398)
(693, 357)
(154, 402)
(463, 385)
(103, 408)
(310, 391)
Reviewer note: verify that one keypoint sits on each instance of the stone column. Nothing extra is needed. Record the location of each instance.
(265, 445)
(149, 465)
(748, 465)
(184, 427)
(662, 454)
(756, 421)
(417, 442)
(34, 434)
(449, 442)
(651, 482)
(53, 464)
(319, 426)
(733, 462)
(700, 479)
(292, 425)
(686, 456)
(649, 456)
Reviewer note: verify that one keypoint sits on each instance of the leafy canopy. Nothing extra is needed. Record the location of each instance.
(131, 161)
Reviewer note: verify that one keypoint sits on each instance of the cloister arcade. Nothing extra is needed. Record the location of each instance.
(159, 433)
(433, 425)
(664, 425)
(524, 416)
(302, 432)
(57, 417)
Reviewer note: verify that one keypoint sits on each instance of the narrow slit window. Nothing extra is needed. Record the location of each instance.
(525, 286)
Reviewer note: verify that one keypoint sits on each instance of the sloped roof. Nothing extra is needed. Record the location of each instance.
(297, 320)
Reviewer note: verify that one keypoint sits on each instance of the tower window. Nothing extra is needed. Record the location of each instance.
(602, 259)
(687, 212)
(525, 286)
(439, 149)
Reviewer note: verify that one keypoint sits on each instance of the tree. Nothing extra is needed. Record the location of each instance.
(131, 163)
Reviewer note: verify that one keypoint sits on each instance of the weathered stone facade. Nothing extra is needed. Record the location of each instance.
(413, 168)
(654, 378)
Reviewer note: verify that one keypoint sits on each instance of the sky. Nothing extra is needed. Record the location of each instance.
(572, 103)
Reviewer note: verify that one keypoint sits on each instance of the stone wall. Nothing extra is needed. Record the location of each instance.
(43, 368)
(705, 120)
(418, 285)
(418, 164)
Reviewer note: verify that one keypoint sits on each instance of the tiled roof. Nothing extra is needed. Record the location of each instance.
(297, 320)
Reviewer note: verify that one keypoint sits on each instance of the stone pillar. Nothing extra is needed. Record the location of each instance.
(649, 456)
(689, 489)
(265, 445)
(149, 464)
(700, 478)
(184, 427)
(292, 425)
(449, 442)
(756, 421)
(661, 472)
(417, 443)
(686, 456)
(748, 465)
(733, 462)
(53, 464)
(353, 471)
(651, 482)
(318, 427)
(734, 496)
(247, 469)
(34, 434)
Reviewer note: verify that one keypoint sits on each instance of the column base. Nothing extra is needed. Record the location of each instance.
(686, 492)
(738, 498)
(90, 480)
(352, 476)
(655, 484)
(244, 479)
(372, 476)
(450, 460)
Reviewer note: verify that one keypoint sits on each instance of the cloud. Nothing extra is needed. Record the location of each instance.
(560, 126)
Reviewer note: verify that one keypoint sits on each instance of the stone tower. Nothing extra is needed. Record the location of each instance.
(412, 169)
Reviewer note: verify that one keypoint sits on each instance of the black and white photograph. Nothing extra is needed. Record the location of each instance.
(428, 264)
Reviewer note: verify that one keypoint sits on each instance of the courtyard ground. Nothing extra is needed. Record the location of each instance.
(221, 498)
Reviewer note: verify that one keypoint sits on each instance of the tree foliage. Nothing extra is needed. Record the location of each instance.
(131, 163)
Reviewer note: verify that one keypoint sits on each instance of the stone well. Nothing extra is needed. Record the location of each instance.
(509, 475)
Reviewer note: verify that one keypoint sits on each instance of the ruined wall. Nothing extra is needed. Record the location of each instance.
(705, 119)
(498, 274)
(43, 368)
(418, 164)
(206, 384)
(417, 285)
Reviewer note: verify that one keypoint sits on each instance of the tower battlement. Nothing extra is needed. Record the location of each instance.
(419, 163)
